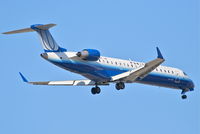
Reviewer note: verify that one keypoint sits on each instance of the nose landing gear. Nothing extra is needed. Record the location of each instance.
(183, 94)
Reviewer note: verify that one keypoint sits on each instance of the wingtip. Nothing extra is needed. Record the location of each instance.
(23, 78)
(5, 33)
(159, 53)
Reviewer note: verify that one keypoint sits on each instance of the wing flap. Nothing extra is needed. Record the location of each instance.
(125, 74)
(64, 83)
(68, 83)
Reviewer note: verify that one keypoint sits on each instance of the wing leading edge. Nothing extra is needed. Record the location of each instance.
(141, 72)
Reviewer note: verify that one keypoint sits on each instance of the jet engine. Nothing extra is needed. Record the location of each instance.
(89, 54)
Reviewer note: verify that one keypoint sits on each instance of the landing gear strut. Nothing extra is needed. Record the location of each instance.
(183, 94)
(120, 85)
(95, 90)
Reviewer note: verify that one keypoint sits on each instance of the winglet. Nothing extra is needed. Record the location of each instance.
(159, 53)
(23, 78)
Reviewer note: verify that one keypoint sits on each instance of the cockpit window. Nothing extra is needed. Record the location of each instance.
(184, 73)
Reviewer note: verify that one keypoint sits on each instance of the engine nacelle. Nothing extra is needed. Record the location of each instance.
(89, 54)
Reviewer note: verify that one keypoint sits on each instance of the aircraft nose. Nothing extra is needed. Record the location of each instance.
(44, 55)
(191, 85)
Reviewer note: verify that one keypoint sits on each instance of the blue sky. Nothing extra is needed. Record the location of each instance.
(123, 29)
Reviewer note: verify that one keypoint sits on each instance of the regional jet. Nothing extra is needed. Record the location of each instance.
(100, 70)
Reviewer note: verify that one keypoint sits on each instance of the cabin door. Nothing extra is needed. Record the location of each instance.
(177, 79)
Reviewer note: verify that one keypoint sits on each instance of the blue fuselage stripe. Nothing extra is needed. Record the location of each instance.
(100, 72)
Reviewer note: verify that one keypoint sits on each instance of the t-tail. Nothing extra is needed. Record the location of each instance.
(48, 42)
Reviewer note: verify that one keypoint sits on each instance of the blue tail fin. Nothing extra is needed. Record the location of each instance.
(47, 40)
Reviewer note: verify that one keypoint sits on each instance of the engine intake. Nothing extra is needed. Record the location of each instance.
(89, 54)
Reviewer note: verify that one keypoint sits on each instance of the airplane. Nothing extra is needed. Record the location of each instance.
(100, 70)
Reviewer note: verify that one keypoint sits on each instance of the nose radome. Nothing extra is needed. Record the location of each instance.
(191, 85)
(44, 55)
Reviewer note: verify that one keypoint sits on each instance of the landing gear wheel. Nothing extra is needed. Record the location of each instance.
(120, 85)
(98, 90)
(117, 86)
(184, 96)
(95, 90)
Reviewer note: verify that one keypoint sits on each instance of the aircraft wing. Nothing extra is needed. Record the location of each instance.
(141, 72)
(64, 83)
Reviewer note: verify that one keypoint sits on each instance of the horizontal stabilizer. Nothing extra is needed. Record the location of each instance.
(19, 31)
(42, 27)
(47, 40)
(33, 28)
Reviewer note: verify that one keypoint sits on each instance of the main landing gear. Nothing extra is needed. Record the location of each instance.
(120, 85)
(96, 90)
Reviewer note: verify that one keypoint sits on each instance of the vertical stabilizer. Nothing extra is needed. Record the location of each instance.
(48, 42)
